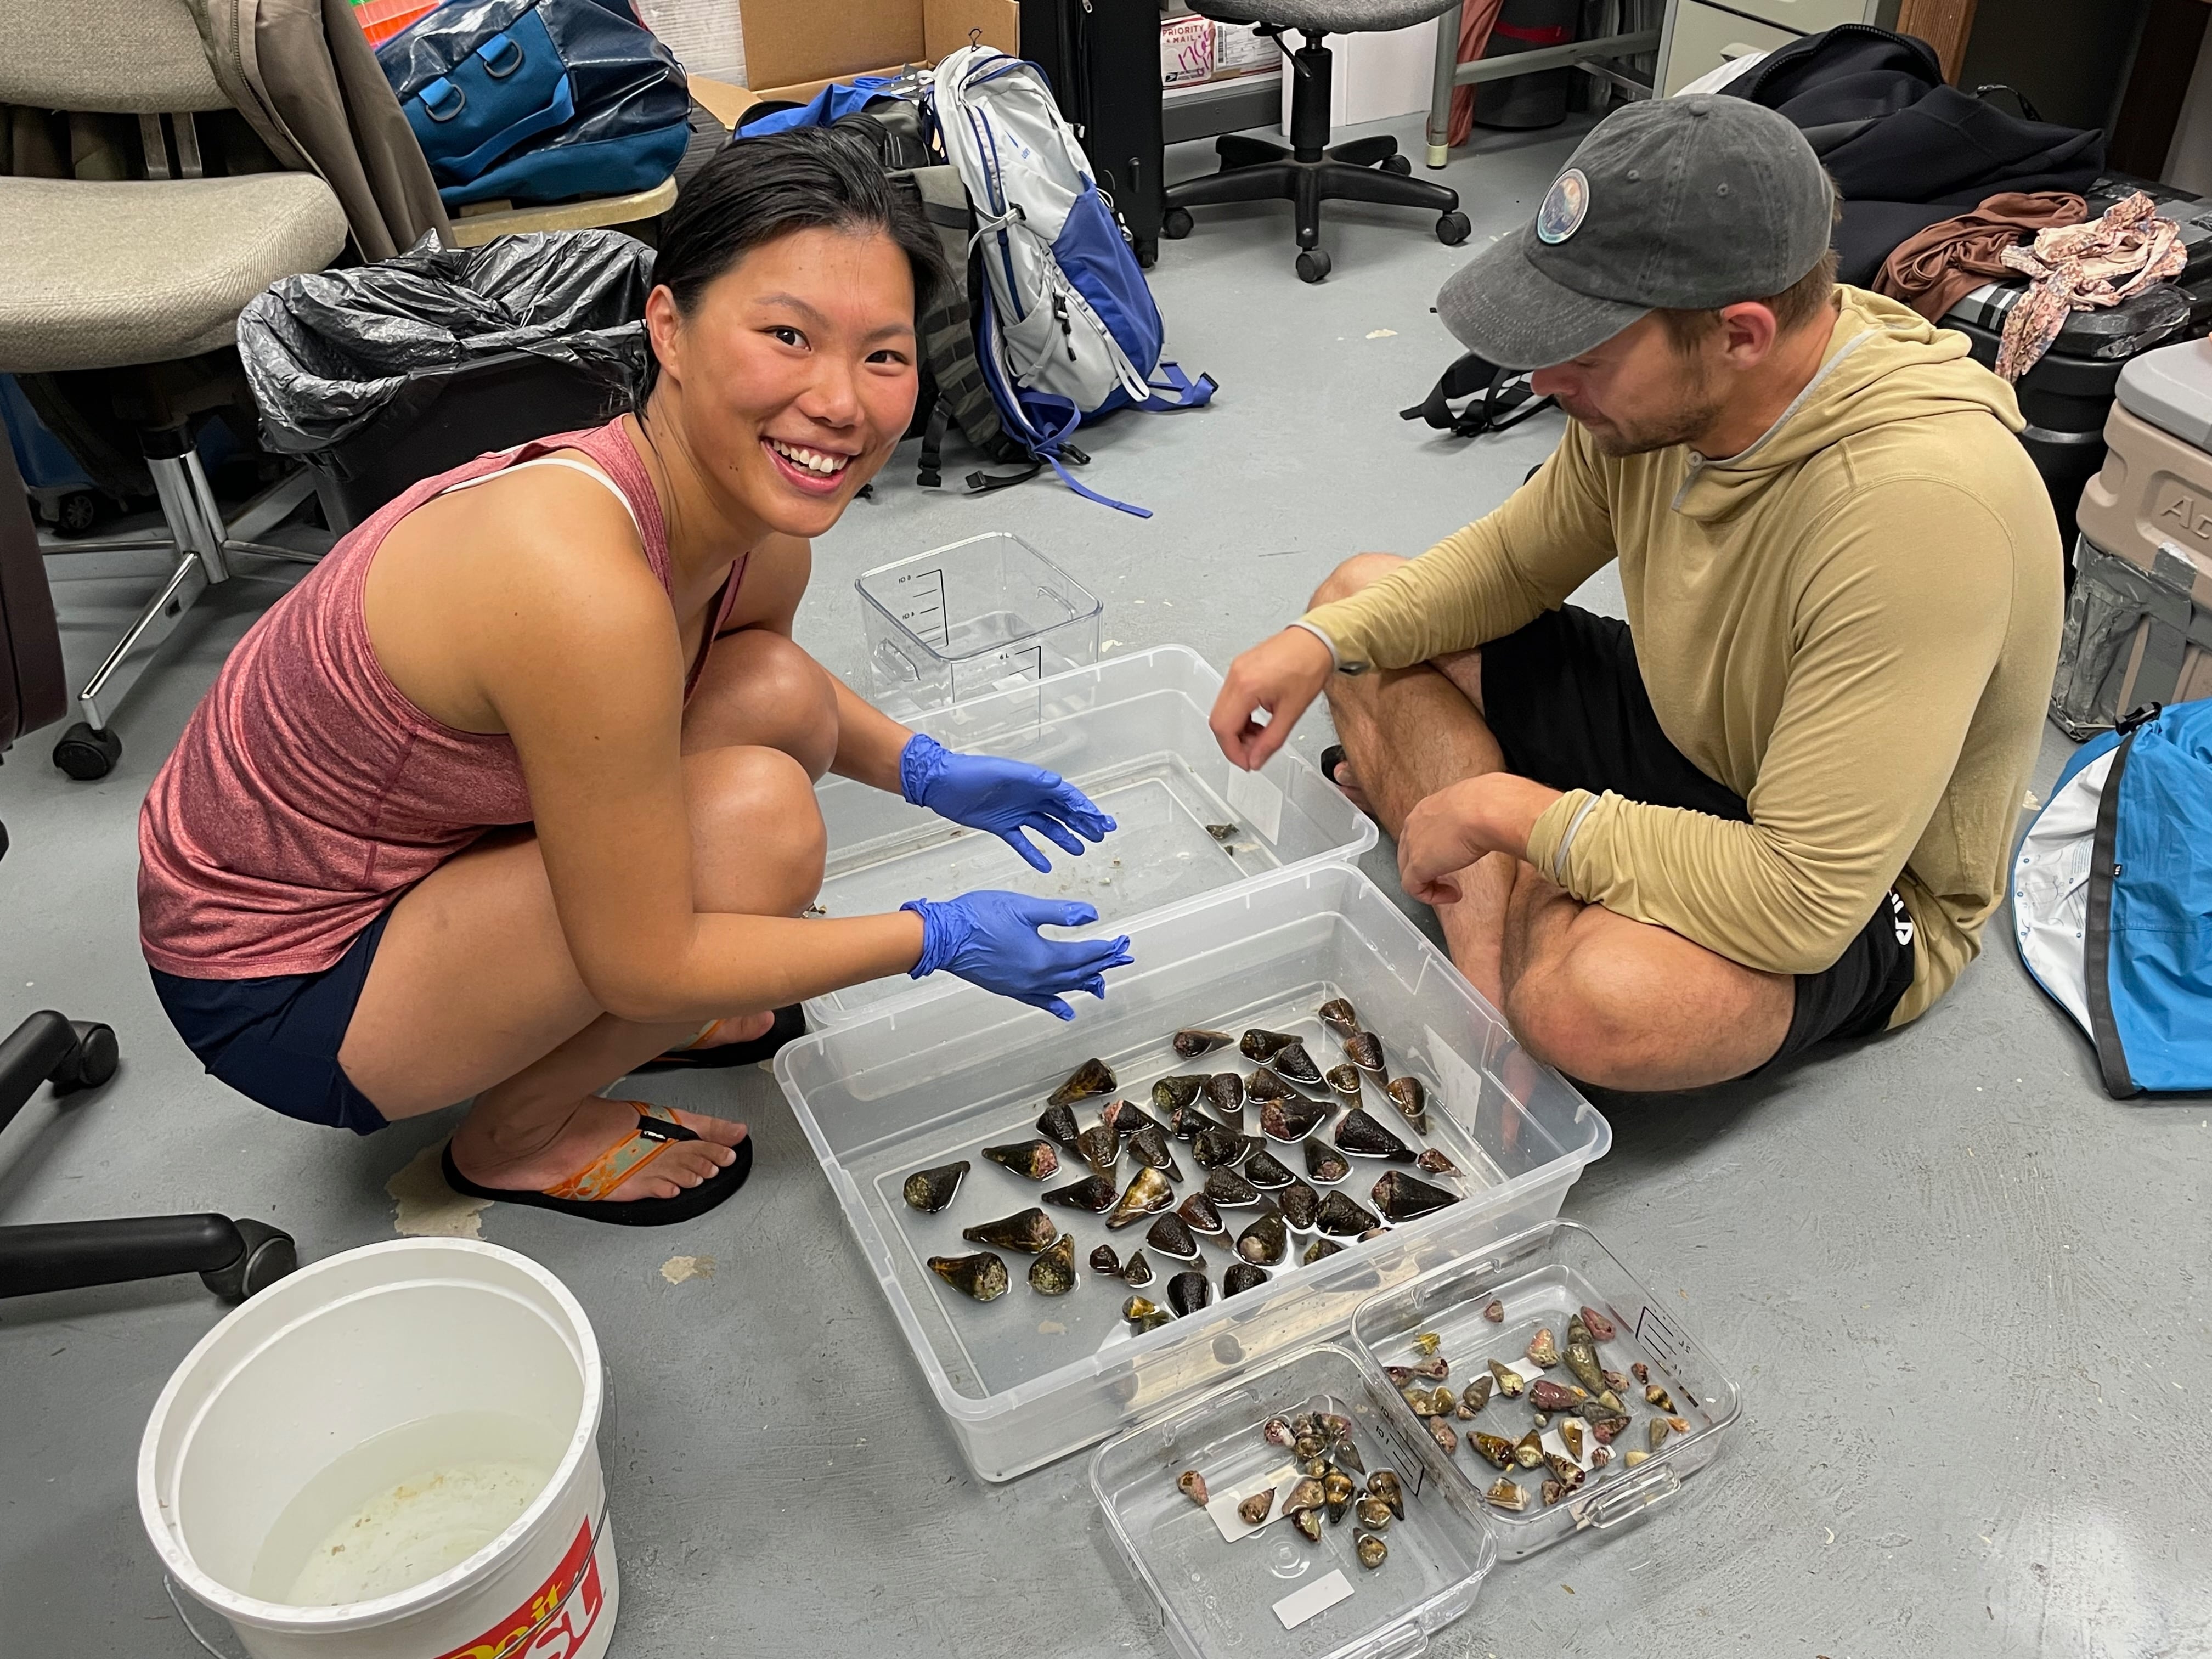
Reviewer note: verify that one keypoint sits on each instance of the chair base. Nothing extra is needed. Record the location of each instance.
(201, 545)
(234, 1258)
(1306, 174)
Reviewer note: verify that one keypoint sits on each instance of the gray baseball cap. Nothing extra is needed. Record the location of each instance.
(1685, 203)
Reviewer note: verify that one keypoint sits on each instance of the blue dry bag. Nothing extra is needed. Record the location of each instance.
(2111, 898)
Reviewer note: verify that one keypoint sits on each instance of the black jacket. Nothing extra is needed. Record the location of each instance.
(1906, 151)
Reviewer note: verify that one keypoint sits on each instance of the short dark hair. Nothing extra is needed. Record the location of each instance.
(756, 190)
(1794, 306)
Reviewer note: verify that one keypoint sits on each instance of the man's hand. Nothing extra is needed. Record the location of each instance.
(1495, 812)
(1282, 675)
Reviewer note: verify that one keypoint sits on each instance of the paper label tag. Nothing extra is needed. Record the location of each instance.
(1258, 802)
(1460, 1084)
(1222, 1506)
(1318, 1597)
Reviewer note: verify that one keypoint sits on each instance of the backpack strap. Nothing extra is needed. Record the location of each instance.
(1049, 420)
(2097, 933)
(933, 444)
(1181, 392)
(1507, 398)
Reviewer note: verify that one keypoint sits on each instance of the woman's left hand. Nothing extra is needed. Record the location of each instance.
(1003, 797)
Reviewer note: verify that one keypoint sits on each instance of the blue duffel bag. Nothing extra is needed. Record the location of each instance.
(2112, 898)
(537, 101)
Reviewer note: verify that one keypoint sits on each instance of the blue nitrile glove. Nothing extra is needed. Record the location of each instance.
(991, 939)
(1002, 796)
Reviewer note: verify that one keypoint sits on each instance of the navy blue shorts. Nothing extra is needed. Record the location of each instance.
(275, 1040)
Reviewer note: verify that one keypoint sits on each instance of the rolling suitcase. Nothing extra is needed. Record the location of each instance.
(2067, 396)
(1102, 60)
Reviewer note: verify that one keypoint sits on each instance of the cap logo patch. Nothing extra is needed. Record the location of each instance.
(1565, 208)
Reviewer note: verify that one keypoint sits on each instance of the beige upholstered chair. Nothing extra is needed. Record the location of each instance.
(118, 274)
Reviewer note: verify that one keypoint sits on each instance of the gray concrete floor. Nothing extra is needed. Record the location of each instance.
(1962, 1292)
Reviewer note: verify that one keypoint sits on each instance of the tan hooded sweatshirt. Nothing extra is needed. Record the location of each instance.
(1852, 624)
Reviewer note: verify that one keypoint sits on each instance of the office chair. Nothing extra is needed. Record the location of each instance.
(234, 1258)
(146, 277)
(1309, 172)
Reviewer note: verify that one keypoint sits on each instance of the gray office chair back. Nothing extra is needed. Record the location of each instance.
(113, 57)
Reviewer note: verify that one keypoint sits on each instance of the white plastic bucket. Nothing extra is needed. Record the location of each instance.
(332, 1385)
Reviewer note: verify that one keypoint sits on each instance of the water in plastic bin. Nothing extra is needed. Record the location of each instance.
(401, 1507)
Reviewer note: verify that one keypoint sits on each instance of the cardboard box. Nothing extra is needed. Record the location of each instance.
(1185, 52)
(1237, 51)
(794, 48)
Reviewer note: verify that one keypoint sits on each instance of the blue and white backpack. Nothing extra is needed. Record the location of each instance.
(1067, 330)
(2111, 898)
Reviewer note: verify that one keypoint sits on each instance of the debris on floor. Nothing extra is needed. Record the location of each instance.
(428, 1208)
(677, 1268)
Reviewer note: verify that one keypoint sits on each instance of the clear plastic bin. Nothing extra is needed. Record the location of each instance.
(972, 617)
(1130, 731)
(1542, 1278)
(1219, 1598)
(1026, 1379)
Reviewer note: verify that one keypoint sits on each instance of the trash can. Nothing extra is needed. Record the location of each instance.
(1527, 102)
(384, 375)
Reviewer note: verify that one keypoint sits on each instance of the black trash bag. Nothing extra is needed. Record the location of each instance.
(330, 352)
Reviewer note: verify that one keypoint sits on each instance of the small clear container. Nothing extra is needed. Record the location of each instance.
(1025, 1379)
(1541, 1279)
(1131, 733)
(1219, 1598)
(974, 616)
(1221, 1593)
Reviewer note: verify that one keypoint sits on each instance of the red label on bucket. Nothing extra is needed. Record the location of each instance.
(553, 1622)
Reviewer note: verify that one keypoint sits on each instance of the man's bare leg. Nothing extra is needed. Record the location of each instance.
(1407, 733)
(1623, 1005)
(1615, 1002)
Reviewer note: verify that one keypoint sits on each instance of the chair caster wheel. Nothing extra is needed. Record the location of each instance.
(1313, 265)
(1401, 165)
(1176, 224)
(1452, 228)
(268, 1254)
(78, 512)
(86, 755)
(90, 1063)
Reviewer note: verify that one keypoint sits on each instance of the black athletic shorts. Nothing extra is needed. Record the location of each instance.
(1566, 703)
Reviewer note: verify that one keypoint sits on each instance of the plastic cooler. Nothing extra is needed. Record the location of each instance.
(976, 616)
(1130, 731)
(1273, 1594)
(1025, 1379)
(2139, 620)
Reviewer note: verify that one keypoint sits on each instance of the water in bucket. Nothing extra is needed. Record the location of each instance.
(405, 1506)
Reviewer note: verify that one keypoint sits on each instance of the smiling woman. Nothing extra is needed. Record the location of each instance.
(513, 793)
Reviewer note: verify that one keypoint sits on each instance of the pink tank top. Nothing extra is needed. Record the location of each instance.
(307, 791)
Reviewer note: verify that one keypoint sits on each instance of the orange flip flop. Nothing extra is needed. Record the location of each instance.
(583, 1193)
